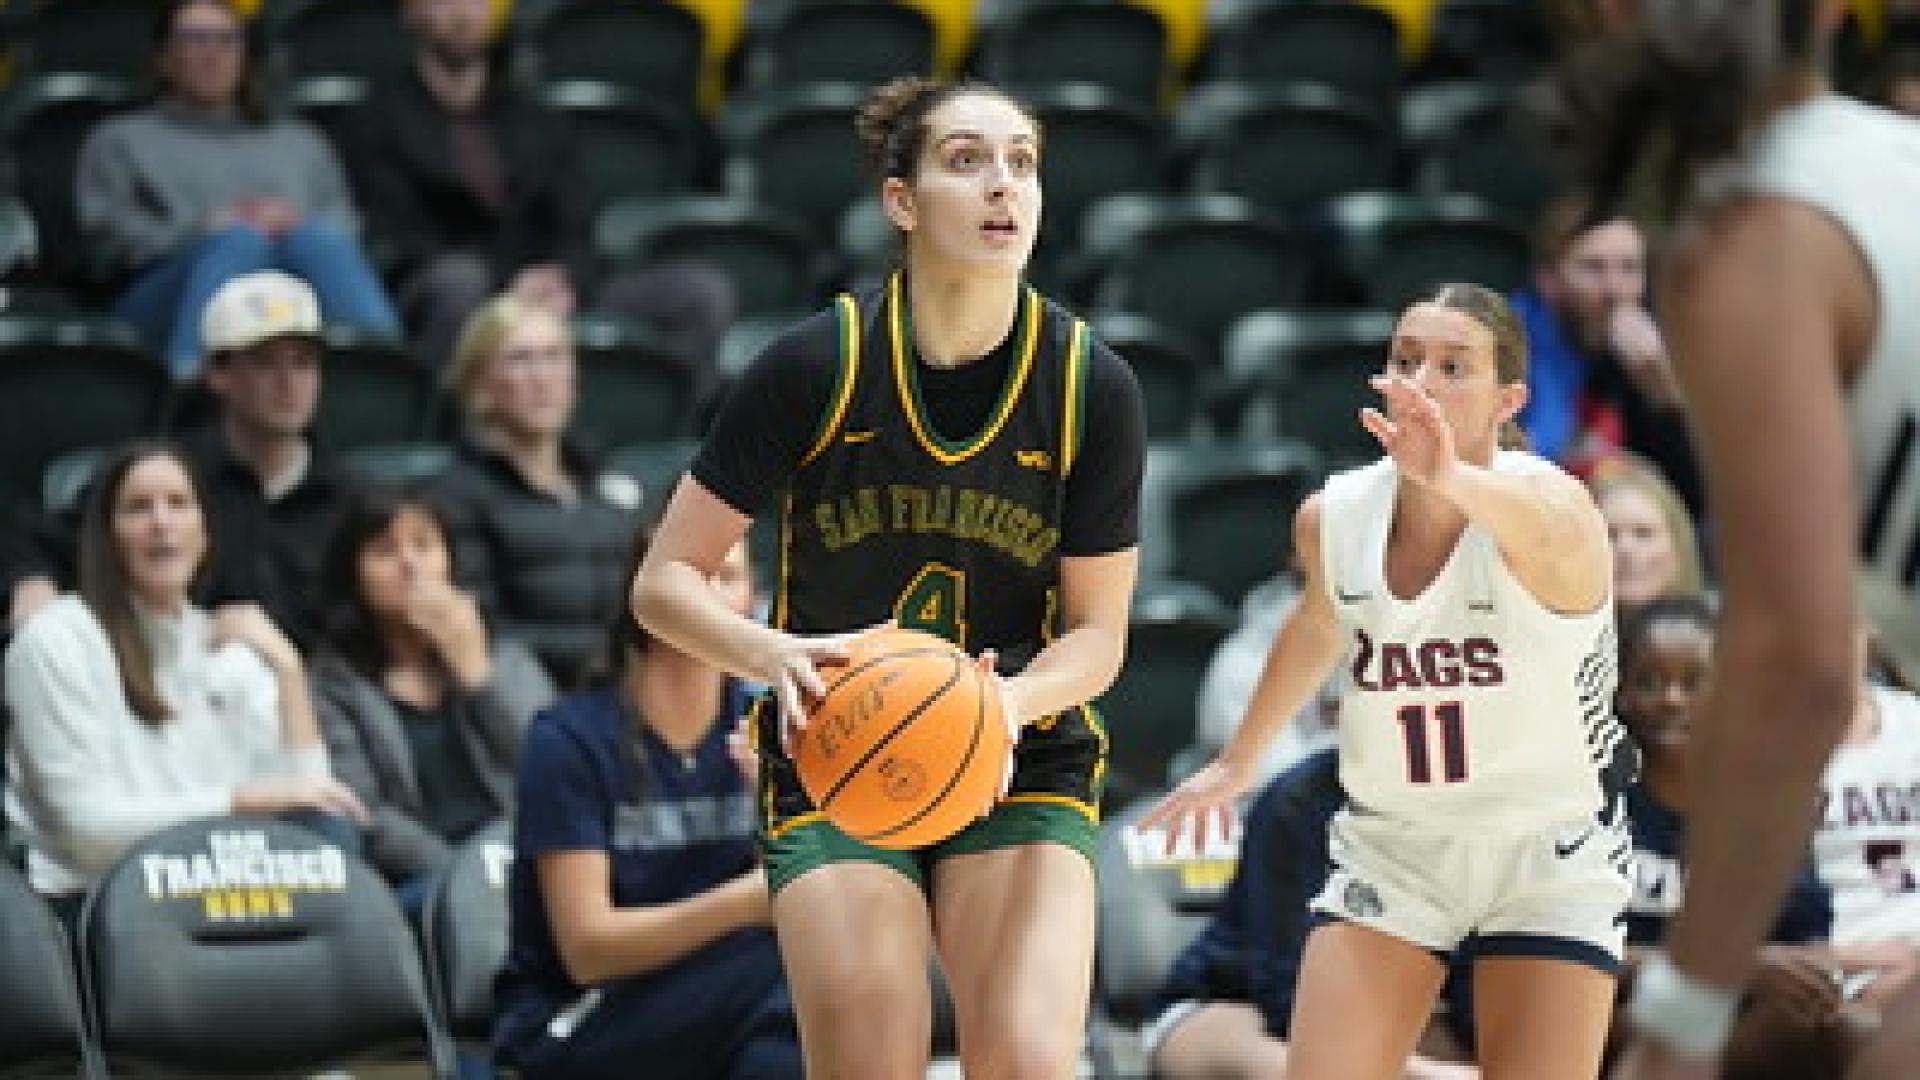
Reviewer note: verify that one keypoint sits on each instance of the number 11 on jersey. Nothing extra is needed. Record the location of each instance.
(1452, 725)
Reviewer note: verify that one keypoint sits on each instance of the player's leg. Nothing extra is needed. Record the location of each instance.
(1220, 1040)
(1363, 1002)
(1894, 1051)
(1015, 931)
(1540, 1017)
(855, 942)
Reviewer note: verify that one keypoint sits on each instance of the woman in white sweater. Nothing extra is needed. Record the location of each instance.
(134, 710)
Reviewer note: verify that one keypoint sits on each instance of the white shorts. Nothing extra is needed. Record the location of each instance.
(1560, 892)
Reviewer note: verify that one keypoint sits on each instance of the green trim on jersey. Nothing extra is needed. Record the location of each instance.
(847, 314)
(906, 375)
(1073, 426)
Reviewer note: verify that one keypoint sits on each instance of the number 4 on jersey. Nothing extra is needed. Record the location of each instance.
(935, 601)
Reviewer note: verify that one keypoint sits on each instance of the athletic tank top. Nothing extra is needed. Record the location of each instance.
(887, 518)
(1867, 846)
(1861, 166)
(1470, 702)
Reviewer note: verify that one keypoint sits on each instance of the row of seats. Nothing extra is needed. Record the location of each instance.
(1286, 149)
(663, 49)
(236, 946)
(247, 946)
(68, 383)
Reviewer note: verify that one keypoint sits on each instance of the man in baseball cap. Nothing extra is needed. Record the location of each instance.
(271, 497)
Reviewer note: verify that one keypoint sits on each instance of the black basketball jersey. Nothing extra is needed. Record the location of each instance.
(887, 518)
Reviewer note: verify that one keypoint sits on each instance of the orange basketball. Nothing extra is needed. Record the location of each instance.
(908, 746)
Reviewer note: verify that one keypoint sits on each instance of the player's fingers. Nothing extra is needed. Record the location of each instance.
(1382, 428)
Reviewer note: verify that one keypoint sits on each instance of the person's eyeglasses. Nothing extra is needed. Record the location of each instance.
(206, 38)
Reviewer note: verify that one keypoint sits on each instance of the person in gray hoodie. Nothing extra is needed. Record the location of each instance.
(423, 709)
(203, 185)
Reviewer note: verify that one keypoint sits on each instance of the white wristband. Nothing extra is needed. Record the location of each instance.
(1688, 1016)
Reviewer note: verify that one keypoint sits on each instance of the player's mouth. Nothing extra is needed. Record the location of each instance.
(1001, 229)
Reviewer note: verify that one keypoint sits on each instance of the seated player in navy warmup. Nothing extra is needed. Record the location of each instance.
(641, 943)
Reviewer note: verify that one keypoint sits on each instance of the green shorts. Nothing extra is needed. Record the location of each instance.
(1054, 798)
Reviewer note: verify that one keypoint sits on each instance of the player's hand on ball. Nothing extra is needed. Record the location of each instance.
(796, 679)
(1204, 803)
(1012, 712)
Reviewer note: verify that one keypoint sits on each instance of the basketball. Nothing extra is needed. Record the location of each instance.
(908, 746)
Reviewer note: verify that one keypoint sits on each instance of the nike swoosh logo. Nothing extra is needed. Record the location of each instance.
(1564, 850)
(1481, 607)
(1351, 597)
(1034, 459)
(857, 437)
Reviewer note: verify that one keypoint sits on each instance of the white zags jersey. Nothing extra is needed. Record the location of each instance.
(1860, 165)
(1471, 702)
(1867, 845)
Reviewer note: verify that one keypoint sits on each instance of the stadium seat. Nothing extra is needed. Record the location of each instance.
(67, 477)
(464, 930)
(793, 148)
(1396, 247)
(100, 37)
(404, 463)
(1149, 710)
(770, 258)
(630, 144)
(1194, 263)
(1349, 46)
(1508, 41)
(46, 120)
(1465, 137)
(657, 466)
(246, 946)
(45, 1031)
(846, 41)
(1286, 371)
(67, 383)
(328, 102)
(362, 38)
(631, 388)
(1285, 146)
(652, 48)
(1097, 143)
(373, 391)
(1119, 46)
(1167, 366)
(1230, 509)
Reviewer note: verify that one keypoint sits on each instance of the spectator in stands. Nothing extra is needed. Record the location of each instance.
(1867, 841)
(1794, 1018)
(204, 185)
(1655, 551)
(639, 913)
(134, 710)
(422, 708)
(271, 494)
(1599, 379)
(478, 188)
(1228, 1002)
(539, 530)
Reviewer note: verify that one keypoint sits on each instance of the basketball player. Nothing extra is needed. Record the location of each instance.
(1790, 298)
(954, 453)
(1468, 587)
